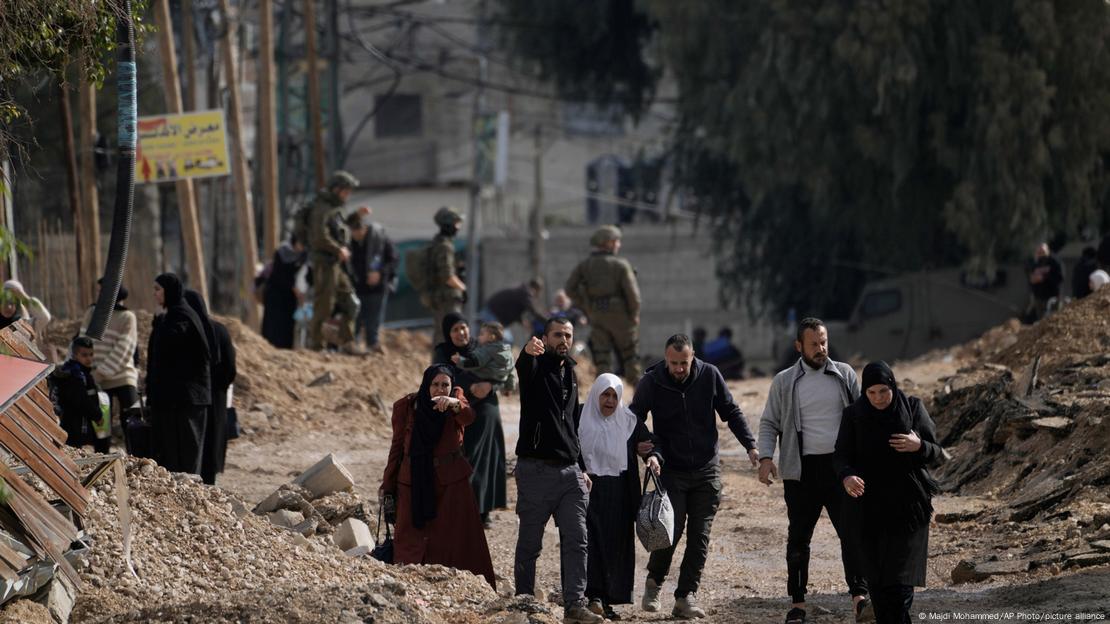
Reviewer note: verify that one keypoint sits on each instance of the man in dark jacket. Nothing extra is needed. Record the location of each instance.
(550, 474)
(373, 264)
(1045, 276)
(682, 393)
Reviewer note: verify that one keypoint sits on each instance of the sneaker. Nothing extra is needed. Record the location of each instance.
(650, 601)
(580, 615)
(687, 608)
(865, 611)
(352, 348)
(596, 606)
(796, 616)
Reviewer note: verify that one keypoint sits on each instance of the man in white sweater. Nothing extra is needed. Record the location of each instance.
(802, 417)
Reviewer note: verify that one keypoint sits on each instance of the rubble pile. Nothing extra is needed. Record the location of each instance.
(1027, 424)
(199, 552)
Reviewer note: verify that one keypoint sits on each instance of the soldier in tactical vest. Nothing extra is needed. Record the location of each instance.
(605, 287)
(446, 291)
(328, 253)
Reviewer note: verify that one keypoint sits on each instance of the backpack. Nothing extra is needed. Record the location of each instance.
(416, 267)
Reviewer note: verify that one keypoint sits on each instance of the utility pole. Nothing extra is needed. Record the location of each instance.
(90, 202)
(474, 229)
(186, 196)
(535, 218)
(188, 51)
(267, 131)
(240, 173)
(314, 93)
(70, 150)
(335, 126)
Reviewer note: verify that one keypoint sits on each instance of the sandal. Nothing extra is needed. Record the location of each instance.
(796, 616)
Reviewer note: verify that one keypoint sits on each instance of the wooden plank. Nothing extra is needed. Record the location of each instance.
(13, 438)
(10, 560)
(50, 544)
(44, 445)
(33, 506)
(46, 423)
(41, 396)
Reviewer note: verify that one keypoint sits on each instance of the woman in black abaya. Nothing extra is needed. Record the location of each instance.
(886, 441)
(223, 374)
(484, 441)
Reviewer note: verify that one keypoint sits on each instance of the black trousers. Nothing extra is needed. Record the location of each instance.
(818, 489)
(892, 604)
(695, 497)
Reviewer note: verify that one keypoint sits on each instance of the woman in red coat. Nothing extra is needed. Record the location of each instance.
(427, 472)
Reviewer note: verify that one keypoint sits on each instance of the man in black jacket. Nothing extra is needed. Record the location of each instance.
(373, 264)
(550, 476)
(682, 393)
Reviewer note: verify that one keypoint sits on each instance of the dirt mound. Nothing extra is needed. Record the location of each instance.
(275, 393)
(200, 555)
(1081, 328)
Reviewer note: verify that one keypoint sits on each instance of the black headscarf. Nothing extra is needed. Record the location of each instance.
(121, 294)
(174, 302)
(901, 493)
(427, 429)
(196, 304)
(449, 346)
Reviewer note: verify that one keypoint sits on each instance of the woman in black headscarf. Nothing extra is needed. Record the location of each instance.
(280, 297)
(485, 439)
(223, 373)
(426, 473)
(178, 378)
(886, 441)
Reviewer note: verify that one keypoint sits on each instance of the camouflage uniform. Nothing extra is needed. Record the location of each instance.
(332, 289)
(605, 287)
(440, 298)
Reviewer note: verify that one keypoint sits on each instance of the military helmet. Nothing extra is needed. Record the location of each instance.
(605, 234)
(447, 215)
(342, 179)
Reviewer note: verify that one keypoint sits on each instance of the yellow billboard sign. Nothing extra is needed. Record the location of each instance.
(176, 147)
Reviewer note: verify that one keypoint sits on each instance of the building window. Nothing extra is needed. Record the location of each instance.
(399, 116)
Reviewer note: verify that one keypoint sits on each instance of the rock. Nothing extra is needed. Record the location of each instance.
(968, 572)
(352, 533)
(265, 408)
(1089, 559)
(302, 541)
(326, 476)
(956, 516)
(306, 527)
(1103, 545)
(239, 509)
(1055, 424)
(185, 477)
(359, 551)
(322, 380)
(288, 496)
(60, 599)
(285, 519)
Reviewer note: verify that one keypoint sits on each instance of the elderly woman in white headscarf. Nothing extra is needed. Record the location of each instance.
(16, 304)
(609, 435)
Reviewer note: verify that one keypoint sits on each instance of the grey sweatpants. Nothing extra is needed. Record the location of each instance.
(544, 491)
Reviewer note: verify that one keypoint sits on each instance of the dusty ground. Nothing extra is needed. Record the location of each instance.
(744, 579)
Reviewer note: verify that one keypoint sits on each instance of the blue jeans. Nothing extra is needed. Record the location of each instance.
(371, 315)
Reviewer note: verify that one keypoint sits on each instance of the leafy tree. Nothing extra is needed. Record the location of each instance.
(824, 137)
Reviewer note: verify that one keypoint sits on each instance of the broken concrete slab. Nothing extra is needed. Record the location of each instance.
(285, 518)
(326, 476)
(968, 572)
(1103, 545)
(1055, 424)
(352, 533)
(60, 599)
(1089, 559)
(322, 380)
(359, 551)
(288, 496)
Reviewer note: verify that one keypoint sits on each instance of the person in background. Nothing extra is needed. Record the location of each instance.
(178, 378)
(698, 338)
(721, 353)
(1045, 276)
(885, 443)
(428, 477)
(280, 296)
(563, 307)
(222, 375)
(114, 361)
(1098, 279)
(373, 267)
(333, 297)
(484, 439)
(76, 401)
(446, 289)
(492, 359)
(610, 433)
(516, 305)
(16, 304)
(1080, 277)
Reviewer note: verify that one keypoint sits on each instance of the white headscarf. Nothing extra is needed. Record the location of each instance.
(604, 439)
